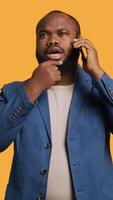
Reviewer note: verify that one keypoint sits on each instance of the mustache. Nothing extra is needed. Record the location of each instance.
(54, 48)
(42, 56)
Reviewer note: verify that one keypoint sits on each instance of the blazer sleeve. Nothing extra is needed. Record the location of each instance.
(14, 107)
(105, 89)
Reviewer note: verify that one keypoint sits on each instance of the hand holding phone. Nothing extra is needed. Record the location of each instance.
(90, 61)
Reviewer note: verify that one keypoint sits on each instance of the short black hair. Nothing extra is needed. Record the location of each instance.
(61, 12)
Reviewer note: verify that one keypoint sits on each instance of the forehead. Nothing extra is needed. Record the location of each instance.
(57, 21)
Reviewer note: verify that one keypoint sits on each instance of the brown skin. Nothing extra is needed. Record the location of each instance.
(92, 66)
(60, 31)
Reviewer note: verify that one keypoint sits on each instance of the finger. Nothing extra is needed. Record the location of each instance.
(54, 69)
(52, 62)
(55, 76)
(77, 39)
(82, 44)
(83, 40)
(53, 66)
(89, 42)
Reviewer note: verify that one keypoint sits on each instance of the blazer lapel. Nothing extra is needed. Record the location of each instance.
(44, 109)
(81, 90)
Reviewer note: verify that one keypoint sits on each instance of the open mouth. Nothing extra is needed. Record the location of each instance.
(54, 53)
(54, 56)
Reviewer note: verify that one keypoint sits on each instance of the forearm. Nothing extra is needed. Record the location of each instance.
(33, 89)
(104, 87)
(97, 73)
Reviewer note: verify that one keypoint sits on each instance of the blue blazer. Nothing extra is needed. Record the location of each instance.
(90, 122)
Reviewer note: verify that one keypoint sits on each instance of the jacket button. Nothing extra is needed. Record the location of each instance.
(18, 111)
(47, 145)
(40, 197)
(43, 171)
(13, 116)
(20, 107)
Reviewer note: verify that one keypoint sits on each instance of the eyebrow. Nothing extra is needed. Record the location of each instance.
(47, 31)
(43, 30)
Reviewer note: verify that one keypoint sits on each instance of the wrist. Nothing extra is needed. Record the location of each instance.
(97, 73)
(33, 89)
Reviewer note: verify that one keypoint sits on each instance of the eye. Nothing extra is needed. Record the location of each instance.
(63, 33)
(43, 35)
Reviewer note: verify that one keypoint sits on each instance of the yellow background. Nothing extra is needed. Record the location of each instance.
(17, 43)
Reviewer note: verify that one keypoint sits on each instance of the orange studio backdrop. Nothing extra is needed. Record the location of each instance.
(17, 44)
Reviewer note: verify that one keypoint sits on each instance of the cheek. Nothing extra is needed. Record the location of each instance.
(68, 47)
(41, 45)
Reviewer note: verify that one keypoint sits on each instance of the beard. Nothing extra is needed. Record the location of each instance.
(69, 63)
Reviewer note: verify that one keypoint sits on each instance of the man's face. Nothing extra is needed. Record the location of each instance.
(54, 39)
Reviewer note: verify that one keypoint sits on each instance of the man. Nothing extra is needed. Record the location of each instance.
(60, 120)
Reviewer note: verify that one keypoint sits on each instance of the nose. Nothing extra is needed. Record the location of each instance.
(53, 40)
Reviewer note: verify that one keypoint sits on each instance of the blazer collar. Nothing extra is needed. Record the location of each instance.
(43, 106)
(82, 88)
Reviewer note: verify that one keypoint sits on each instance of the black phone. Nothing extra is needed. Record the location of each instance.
(79, 52)
(83, 56)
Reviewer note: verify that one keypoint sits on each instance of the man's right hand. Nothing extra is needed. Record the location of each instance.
(43, 77)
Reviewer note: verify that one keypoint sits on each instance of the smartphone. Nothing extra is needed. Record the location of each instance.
(83, 56)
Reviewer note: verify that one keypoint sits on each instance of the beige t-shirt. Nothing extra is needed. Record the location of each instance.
(59, 185)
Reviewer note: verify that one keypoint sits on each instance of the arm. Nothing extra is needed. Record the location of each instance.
(105, 89)
(14, 107)
(101, 81)
(18, 99)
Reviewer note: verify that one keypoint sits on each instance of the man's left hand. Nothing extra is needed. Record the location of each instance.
(91, 63)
